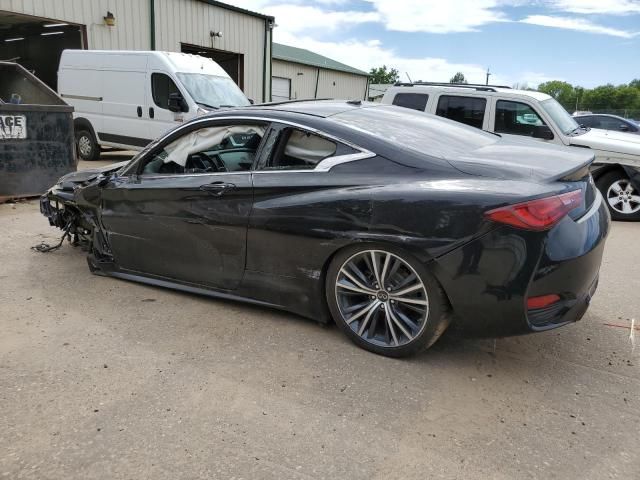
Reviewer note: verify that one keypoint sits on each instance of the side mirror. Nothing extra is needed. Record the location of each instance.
(543, 132)
(177, 103)
(103, 179)
(624, 127)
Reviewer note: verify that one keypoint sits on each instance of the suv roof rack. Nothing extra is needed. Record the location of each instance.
(474, 86)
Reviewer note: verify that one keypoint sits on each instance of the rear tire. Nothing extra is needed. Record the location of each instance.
(385, 300)
(620, 195)
(87, 146)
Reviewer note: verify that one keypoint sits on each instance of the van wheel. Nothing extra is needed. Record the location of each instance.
(86, 145)
(622, 197)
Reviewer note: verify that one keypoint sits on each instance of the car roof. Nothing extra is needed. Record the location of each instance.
(317, 108)
(490, 90)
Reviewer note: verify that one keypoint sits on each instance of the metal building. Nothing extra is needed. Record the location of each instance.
(34, 33)
(299, 74)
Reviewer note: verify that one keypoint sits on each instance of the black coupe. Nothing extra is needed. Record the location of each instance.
(391, 222)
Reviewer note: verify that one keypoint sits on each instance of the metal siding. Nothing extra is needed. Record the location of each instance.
(132, 30)
(302, 86)
(348, 86)
(177, 21)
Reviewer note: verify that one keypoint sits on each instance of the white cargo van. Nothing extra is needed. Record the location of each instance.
(125, 99)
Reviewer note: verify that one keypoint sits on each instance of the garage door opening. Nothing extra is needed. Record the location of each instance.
(280, 89)
(232, 63)
(36, 43)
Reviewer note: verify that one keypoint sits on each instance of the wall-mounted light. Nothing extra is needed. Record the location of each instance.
(300, 73)
(215, 34)
(110, 20)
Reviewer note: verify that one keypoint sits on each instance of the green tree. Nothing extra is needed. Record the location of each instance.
(383, 75)
(563, 92)
(458, 78)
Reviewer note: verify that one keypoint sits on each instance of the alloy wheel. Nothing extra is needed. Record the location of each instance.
(85, 146)
(623, 197)
(381, 298)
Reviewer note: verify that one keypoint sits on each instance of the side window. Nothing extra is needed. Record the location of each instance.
(299, 150)
(161, 87)
(516, 118)
(416, 101)
(228, 148)
(469, 110)
(609, 123)
(587, 121)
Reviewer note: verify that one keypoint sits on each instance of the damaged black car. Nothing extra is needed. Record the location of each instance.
(392, 223)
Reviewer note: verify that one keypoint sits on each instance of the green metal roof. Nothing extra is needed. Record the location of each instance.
(305, 57)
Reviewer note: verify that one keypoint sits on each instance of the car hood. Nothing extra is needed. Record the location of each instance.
(89, 174)
(523, 159)
(608, 141)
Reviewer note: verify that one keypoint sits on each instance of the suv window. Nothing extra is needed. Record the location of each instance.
(299, 150)
(416, 101)
(161, 87)
(516, 118)
(469, 110)
(225, 148)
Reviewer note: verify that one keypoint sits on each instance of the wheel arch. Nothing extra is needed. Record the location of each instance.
(632, 173)
(82, 123)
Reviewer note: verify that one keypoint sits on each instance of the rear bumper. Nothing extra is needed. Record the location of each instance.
(489, 280)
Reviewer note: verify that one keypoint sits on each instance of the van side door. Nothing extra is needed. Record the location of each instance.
(123, 103)
(159, 86)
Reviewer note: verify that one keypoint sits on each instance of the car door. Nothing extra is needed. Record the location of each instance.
(291, 182)
(518, 119)
(160, 119)
(183, 211)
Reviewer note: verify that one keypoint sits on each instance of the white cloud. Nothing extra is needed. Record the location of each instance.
(578, 24)
(611, 7)
(298, 18)
(437, 16)
(367, 54)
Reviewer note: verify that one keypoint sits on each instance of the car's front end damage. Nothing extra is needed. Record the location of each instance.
(72, 206)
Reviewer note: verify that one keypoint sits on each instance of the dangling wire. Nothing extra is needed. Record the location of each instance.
(45, 247)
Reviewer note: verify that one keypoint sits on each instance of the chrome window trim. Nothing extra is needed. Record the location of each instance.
(322, 166)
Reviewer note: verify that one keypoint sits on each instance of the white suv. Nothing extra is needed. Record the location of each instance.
(524, 113)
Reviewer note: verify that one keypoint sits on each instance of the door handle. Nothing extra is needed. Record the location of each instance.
(217, 188)
(151, 112)
(140, 111)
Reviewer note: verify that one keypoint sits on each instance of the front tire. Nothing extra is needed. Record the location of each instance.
(87, 146)
(623, 199)
(385, 300)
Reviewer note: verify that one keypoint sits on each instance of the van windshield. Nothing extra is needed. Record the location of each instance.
(211, 91)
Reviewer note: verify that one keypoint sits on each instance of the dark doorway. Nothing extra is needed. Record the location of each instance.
(36, 43)
(232, 63)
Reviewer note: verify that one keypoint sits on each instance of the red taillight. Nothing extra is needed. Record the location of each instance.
(542, 301)
(540, 214)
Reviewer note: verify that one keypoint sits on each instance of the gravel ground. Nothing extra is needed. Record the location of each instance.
(102, 378)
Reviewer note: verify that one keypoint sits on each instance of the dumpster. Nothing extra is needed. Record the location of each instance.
(36, 134)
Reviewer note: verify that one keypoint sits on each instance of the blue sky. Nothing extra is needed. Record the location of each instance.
(584, 42)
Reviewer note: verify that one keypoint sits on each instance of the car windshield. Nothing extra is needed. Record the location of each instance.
(212, 91)
(559, 115)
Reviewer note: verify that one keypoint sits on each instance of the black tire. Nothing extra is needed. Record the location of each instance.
(86, 145)
(625, 199)
(378, 330)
